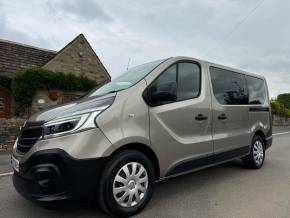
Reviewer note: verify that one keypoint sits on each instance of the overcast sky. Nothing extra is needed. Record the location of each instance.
(149, 30)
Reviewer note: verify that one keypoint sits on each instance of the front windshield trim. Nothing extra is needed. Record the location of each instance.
(90, 94)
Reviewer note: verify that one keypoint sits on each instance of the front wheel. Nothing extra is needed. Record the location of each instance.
(127, 184)
(256, 157)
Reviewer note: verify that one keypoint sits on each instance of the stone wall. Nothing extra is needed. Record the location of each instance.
(9, 129)
(44, 99)
(280, 120)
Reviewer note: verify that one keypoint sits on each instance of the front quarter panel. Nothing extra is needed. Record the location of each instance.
(126, 121)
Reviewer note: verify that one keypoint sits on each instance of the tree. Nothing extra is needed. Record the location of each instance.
(287, 112)
(284, 99)
(275, 107)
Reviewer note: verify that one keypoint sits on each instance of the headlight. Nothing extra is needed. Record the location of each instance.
(78, 118)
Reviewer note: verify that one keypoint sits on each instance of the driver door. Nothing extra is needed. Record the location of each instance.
(180, 130)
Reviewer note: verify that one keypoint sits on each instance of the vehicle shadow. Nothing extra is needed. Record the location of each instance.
(198, 187)
(169, 190)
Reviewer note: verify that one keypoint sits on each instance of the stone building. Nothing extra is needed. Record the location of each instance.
(77, 57)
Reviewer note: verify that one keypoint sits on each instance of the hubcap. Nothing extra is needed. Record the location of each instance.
(258, 152)
(130, 184)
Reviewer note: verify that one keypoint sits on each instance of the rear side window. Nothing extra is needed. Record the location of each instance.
(229, 87)
(257, 91)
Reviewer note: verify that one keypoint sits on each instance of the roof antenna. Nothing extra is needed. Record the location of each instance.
(128, 64)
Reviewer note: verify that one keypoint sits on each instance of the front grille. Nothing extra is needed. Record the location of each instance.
(29, 135)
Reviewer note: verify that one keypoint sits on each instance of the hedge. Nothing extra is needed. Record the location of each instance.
(5, 81)
(25, 84)
(279, 109)
(284, 99)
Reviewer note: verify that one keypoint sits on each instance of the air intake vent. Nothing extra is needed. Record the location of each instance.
(29, 135)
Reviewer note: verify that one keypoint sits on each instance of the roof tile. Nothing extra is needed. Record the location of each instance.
(15, 56)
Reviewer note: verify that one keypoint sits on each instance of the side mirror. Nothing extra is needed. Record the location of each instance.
(164, 92)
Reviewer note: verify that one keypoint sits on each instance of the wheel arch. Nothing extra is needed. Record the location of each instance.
(262, 135)
(144, 149)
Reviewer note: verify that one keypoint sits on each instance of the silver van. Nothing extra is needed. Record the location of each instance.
(156, 121)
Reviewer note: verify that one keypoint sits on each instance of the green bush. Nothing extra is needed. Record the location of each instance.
(278, 108)
(287, 112)
(284, 99)
(26, 83)
(275, 107)
(5, 81)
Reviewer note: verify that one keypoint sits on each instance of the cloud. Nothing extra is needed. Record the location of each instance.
(13, 34)
(87, 10)
(9, 33)
(148, 30)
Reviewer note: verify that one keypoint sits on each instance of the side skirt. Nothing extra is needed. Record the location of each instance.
(204, 162)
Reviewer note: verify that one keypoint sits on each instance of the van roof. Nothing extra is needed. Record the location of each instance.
(219, 66)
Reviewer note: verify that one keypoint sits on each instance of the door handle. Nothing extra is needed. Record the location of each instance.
(200, 117)
(222, 117)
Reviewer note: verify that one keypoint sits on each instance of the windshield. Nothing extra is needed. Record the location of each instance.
(126, 79)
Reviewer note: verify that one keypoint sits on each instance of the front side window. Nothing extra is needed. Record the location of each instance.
(168, 75)
(229, 87)
(257, 91)
(188, 81)
(187, 77)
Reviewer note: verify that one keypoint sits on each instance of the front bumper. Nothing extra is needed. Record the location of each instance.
(52, 176)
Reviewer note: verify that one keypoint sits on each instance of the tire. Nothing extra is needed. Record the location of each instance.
(111, 184)
(256, 158)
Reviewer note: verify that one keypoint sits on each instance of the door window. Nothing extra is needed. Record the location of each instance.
(187, 77)
(168, 75)
(229, 87)
(188, 81)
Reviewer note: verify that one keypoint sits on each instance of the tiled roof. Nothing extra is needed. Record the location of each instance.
(15, 56)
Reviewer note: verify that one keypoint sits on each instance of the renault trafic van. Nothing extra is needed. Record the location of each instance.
(156, 121)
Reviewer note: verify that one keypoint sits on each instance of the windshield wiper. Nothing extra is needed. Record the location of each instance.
(114, 91)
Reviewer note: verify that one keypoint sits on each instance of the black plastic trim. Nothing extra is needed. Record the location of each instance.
(269, 142)
(208, 160)
(53, 175)
(34, 130)
(259, 109)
